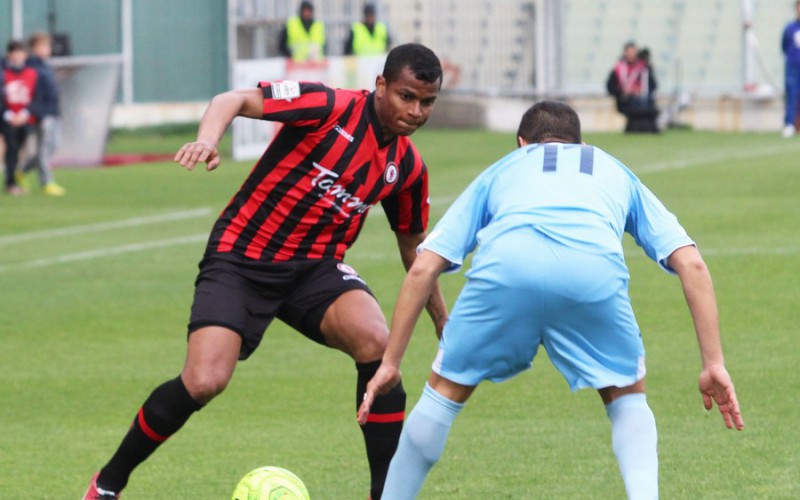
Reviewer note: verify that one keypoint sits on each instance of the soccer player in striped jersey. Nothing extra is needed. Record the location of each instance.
(547, 221)
(277, 249)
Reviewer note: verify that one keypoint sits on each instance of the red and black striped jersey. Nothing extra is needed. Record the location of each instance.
(18, 89)
(308, 196)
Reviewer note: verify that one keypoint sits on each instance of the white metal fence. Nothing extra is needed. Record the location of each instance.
(553, 46)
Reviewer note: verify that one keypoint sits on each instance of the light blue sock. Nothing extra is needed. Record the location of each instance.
(421, 444)
(635, 441)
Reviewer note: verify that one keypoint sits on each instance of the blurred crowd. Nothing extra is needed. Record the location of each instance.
(29, 106)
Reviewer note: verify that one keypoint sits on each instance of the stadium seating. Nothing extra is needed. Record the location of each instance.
(696, 45)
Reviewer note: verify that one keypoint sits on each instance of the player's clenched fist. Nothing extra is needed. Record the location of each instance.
(193, 153)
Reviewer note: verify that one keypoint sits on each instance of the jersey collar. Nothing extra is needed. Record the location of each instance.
(372, 115)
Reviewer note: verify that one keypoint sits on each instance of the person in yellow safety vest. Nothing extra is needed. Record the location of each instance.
(303, 37)
(368, 37)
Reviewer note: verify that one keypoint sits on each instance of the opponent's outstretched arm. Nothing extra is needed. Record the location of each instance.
(436, 306)
(715, 383)
(414, 294)
(221, 111)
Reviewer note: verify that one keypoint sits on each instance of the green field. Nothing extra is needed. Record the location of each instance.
(95, 296)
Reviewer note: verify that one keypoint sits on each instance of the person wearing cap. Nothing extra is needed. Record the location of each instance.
(303, 38)
(368, 37)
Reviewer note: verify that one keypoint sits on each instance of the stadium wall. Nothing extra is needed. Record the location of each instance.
(179, 56)
(598, 113)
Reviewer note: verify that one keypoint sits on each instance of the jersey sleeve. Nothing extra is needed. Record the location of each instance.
(456, 234)
(299, 104)
(653, 227)
(407, 209)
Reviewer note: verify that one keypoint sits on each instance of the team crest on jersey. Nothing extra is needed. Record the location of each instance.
(391, 173)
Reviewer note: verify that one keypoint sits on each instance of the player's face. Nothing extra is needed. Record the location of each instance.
(17, 58)
(42, 50)
(405, 104)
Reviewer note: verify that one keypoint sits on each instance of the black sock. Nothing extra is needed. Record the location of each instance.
(162, 414)
(383, 427)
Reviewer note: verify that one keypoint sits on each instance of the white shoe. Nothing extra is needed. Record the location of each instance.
(788, 131)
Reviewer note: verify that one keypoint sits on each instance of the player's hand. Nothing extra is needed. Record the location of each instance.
(19, 119)
(193, 153)
(384, 380)
(716, 386)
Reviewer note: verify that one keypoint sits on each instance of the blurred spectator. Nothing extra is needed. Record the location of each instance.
(303, 37)
(790, 44)
(633, 84)
(19, 86)
(368, 37)
(45, 110)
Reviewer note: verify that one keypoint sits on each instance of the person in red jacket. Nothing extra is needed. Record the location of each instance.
(18, 89)
(632, 82)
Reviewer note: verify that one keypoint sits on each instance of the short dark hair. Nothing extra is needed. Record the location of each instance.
(550, 120)
(369, 9)
(418, 58)
(15, 45)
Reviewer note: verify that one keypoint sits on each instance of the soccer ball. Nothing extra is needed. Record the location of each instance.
(270, 483)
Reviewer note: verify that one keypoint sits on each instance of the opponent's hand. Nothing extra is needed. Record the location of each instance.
(384, 380)
(193, 153)
(716, 386)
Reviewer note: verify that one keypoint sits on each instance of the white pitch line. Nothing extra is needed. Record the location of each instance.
(710, 158)
(105, 226)
(731, 252)
(367, 256)
(105, 252)
(632, 254)
(750, 251)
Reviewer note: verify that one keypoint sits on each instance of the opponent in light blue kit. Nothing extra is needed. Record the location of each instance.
(547, 221)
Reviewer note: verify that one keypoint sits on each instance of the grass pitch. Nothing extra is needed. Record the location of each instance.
(95, 296)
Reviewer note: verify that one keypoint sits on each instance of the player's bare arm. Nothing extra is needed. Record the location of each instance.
(417, 286)
(221, 111)
(436, 306)
(715, 383)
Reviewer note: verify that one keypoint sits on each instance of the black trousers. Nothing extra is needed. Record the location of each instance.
(14, 138)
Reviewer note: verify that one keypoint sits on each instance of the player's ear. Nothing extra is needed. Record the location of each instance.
(380, 84)
(521, 142)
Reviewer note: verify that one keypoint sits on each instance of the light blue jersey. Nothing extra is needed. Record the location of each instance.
(547, 221)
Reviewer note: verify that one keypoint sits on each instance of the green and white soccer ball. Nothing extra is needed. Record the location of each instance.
(270, 483)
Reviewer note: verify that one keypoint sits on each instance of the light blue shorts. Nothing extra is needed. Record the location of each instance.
(525, 290)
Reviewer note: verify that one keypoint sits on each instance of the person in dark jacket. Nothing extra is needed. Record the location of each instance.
(46, 112)
(632, 82)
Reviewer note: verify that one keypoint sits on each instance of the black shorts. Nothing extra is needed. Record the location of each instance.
(245, 296)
